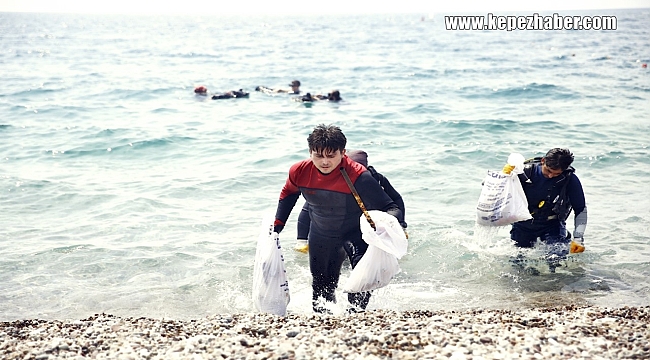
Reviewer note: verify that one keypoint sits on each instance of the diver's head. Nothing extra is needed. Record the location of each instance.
(326, 147)
(334, 96)
(359, 156)
(556, 161)
(295, 86)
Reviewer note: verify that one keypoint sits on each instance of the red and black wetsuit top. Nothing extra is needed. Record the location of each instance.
(333, 209)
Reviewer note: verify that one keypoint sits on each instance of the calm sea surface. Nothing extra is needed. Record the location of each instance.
(121, 192)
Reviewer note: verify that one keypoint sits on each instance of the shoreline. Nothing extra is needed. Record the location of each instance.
(545, 333)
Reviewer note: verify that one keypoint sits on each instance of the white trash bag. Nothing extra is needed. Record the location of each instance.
(502, 200)
(385, 246)
(270, 285)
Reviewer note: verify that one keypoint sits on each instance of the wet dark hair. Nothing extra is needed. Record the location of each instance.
(326, 138)
(558, 158)
(334, 96)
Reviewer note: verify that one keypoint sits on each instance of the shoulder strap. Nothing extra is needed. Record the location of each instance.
(529, 166)
(563, 208)
(357, 197)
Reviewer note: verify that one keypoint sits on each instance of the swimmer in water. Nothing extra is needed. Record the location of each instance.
(203, 91)
(335, 95)
(295, 89)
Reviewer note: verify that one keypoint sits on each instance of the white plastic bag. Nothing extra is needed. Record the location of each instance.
(270, 285)
(389, 235)
(379, 264)
(502, 200)
(375, 270)
(516, 160)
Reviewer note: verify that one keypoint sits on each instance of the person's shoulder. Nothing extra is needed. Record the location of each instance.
(353, 168)
(301, 165)
(574, 180)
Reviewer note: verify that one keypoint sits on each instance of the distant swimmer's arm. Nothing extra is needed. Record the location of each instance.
(266, 90)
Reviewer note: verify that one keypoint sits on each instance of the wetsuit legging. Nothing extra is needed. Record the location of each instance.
(335, 214)
(326, 256)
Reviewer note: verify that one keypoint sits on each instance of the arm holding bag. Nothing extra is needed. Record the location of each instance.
(270, 285)
(379, 264)
(389, 235)
(502, 200)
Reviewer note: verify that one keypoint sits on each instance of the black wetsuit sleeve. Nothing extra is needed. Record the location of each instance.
(304, 222)
(576, 194)
(375, 198)
(285, 205)
(393, 194)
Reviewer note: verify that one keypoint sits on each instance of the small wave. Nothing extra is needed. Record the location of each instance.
(461, 71)
(129, 94)
(530, 91)
(155, 143)
(426, 109)
(69, 249)
(35, 91)
(124, 145)
(164, 110)
(192, 55)
(106, 133)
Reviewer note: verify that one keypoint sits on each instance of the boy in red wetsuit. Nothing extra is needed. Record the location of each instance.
(335, 229)
(361, 157)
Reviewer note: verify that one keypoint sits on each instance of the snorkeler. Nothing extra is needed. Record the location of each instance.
(230, 95)
(295, 89)
(203, 91)
(335, 95)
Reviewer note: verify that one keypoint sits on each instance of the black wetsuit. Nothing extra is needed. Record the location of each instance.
(335, 215)
(230, 95)
(548, 224)
(304, 220)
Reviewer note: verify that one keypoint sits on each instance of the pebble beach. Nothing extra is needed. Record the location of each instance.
(569, 332)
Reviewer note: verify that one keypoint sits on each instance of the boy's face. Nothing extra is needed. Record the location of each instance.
(326, 160)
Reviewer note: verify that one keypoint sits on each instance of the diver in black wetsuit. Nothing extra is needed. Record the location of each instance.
(305, 98)
(335, 228)
(334, 95)
(203, 91)
(230, 95)
(552, 190)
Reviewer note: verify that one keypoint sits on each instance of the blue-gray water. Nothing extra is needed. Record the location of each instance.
(121, 192)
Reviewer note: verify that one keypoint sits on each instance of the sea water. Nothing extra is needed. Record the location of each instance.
(122, 192)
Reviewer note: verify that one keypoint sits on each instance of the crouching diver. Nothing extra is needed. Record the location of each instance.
(552, 190)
